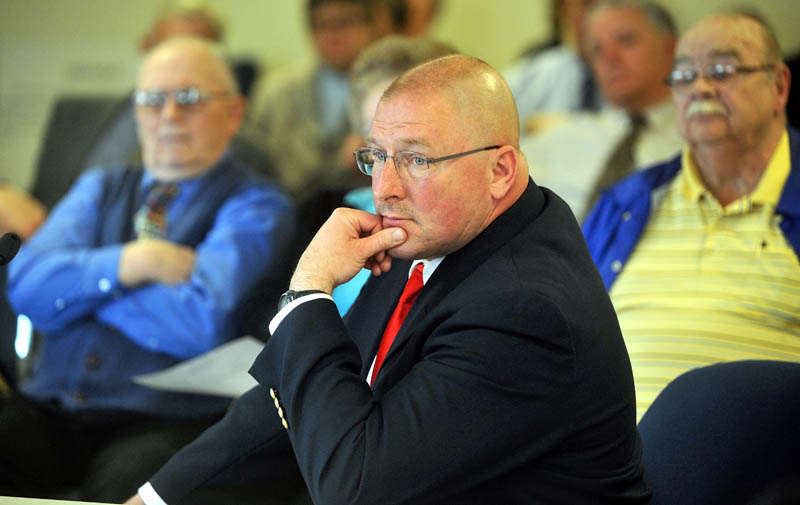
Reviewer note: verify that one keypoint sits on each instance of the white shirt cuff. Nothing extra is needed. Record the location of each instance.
(149, 495)
(273, 325)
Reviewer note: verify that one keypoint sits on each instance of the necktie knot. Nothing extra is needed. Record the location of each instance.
(407, 299)
(413, 287)
(150, 221)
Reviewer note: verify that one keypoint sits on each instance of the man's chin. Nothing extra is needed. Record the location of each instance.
(404, 251)
(175, 169)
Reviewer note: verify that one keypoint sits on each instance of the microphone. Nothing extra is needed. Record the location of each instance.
(9, 245)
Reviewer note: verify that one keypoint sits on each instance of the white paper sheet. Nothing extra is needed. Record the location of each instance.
(221, 372)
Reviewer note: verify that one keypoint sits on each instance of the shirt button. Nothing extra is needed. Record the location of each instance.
(152, 342)
(60, 303)
(616, 266)
(92, 362)
(104, 285)
(626, 216)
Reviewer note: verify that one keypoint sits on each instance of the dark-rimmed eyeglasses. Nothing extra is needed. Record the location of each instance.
(184, 97)
(717, 72)
(408, 164)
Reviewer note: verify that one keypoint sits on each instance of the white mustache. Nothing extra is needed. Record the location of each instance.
(705, 107)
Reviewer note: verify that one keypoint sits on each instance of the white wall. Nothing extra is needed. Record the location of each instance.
(48, 47)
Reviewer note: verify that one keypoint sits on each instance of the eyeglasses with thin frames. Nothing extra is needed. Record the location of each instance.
(186, 98)
(717, 72)
(408, 163)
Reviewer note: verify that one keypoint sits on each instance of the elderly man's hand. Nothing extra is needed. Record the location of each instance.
(348, 241)
(154, 260)
(19, 211)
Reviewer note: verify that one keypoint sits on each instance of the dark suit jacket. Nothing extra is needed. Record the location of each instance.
(509, 383)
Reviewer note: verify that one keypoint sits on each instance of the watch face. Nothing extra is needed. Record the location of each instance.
(285, 298)
(291, 295)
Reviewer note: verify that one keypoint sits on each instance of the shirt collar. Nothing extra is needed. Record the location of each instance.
(428, 268)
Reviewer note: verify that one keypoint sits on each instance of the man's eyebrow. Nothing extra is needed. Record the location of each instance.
(414, 142)
(714, 53)
(724, 53)
(407, 143)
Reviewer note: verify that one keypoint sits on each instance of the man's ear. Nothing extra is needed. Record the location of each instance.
(504, 171)
(783, 81)
(238, 107)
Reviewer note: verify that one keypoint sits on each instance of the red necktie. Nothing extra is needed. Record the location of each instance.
(407, 298)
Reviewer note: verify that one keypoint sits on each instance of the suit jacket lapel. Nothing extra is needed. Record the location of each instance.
(372, 309)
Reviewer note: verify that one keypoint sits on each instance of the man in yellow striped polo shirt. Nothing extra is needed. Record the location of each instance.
(700, 254)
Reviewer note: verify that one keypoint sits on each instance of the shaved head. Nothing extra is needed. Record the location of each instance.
(476, 92)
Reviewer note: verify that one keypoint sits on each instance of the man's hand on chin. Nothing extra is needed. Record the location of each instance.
(348, 241)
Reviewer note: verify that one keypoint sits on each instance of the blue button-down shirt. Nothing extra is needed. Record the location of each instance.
(66, 286)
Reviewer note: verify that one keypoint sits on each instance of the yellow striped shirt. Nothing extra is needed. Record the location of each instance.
(708, 283)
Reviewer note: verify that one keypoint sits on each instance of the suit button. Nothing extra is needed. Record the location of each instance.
(92, 362)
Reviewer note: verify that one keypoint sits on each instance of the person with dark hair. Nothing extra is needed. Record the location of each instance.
(554, 77)
(138, 268)
(302, 121)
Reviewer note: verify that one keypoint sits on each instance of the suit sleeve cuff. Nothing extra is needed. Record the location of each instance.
(149, 495)
(279, 317)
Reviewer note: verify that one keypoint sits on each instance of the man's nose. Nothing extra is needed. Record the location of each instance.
(702, 86)
(171, 109)
(387, 183)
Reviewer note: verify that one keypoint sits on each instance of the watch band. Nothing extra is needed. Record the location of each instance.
(292, 295)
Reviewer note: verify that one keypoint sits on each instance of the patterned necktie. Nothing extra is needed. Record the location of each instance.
(622, 162)
(407, 298)
(150, 221)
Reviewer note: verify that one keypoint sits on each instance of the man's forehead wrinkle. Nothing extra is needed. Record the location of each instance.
(385, 128)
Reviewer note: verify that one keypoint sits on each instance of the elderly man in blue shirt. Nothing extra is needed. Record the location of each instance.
(136, 269)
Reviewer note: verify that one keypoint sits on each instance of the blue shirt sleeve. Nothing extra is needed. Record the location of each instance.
(58, 276)
(190, 318)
